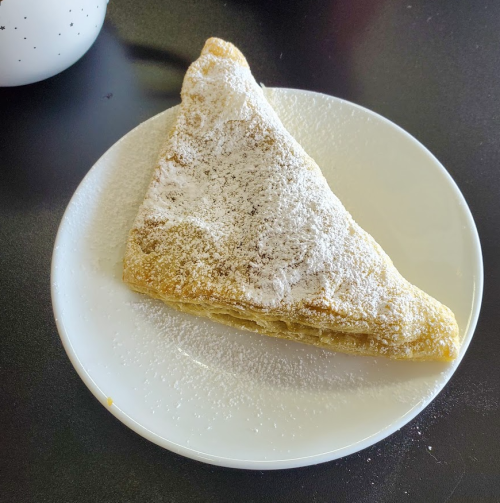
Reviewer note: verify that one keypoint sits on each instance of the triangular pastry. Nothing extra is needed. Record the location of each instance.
(239, 225)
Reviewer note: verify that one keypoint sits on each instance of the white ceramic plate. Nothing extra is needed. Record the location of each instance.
(239, 399)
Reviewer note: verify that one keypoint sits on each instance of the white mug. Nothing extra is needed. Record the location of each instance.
(40, 38)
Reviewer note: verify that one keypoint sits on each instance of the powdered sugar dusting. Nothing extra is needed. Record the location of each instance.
(257, 204)
(234, 368)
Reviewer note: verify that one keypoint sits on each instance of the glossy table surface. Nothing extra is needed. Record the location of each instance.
(430, 66)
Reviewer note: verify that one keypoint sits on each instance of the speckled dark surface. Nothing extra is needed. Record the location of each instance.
(431, 66)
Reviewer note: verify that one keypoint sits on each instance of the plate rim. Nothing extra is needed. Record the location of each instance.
(290, 462)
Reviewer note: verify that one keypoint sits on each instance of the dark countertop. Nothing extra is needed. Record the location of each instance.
(430, 66)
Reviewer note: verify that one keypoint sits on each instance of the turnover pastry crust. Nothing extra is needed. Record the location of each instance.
(239, 225)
